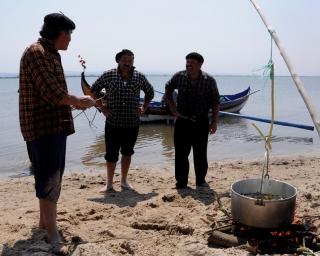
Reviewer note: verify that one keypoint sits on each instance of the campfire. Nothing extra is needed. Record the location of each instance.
(297, 238)
(262, 219)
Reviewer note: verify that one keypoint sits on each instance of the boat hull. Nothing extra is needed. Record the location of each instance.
(228, 103)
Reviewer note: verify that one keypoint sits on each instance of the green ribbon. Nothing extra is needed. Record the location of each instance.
(268, 71)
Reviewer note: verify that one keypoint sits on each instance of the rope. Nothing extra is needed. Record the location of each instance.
(159, 92)
(271, 44)
(269, 69)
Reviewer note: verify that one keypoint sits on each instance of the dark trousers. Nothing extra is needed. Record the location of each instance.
(48, 158)
(189, 134)
(120, 139)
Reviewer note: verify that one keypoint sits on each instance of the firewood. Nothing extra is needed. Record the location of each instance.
(225, 240)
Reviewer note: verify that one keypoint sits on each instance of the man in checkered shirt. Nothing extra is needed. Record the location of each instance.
(122, 110)
(197, 94)
(45, 115)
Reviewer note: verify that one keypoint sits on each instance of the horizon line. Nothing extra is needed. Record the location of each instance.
(4, 75)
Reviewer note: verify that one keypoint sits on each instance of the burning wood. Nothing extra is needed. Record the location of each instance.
(296, 238)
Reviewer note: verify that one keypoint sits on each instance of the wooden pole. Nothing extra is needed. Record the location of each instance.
(298, 82)
(264, 120)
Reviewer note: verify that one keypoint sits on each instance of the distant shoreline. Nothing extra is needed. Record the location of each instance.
(89, 75)
(15, 76)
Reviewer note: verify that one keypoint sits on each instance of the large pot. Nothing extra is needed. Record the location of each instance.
(263, 213)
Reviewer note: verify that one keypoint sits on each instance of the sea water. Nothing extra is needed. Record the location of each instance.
(235, 138)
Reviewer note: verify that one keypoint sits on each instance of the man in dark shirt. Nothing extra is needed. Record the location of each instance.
(45, 114)
(122, 110)
(197, 94)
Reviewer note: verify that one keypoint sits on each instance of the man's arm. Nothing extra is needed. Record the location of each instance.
(171, 103)
(96, 89)
(149, 94)
(170, 87)
(48, 85)
(79, 102)
(144, 106)
(214, 118)
(215, 108)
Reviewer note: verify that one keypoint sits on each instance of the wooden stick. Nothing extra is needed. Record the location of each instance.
(225, 240)
(294, 75)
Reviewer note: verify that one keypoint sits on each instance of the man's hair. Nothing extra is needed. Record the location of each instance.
(195, 56)
(54, 24)
(123, 52)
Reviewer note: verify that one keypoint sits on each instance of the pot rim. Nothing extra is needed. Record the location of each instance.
(278, 200)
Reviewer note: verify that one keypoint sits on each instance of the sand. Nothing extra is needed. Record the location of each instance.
(156, 219)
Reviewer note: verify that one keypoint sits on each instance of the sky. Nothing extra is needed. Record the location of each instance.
(228, 33)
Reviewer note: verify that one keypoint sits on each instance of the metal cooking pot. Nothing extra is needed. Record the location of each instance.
(263, 213)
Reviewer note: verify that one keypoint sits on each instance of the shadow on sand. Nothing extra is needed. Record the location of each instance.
(123, 198)
(35, 245)
(206, 195)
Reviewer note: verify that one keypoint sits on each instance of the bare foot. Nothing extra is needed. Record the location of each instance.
(54, 237)
(127, 186)
(59, 248)
(106, 188)
(57, 245)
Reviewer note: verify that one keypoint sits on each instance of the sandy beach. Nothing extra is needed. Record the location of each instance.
(156, 219)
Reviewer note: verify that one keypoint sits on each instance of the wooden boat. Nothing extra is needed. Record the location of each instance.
(158, 111)
(235, 102)
(232, 103)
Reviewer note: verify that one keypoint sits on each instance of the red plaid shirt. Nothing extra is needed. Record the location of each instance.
(42, 86)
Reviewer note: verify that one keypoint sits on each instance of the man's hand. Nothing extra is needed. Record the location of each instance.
(212, 128)
(78, 102)
(143, 108)
(106, 111)
(175, 113)
(84, 102)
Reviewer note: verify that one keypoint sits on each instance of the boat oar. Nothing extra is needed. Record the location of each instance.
(300, 126)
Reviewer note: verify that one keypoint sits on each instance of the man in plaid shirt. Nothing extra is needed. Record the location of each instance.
(197, 94)
(45, 115)
(122, 110)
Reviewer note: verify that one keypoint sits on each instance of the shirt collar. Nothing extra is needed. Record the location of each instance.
(131, 73)
(48, 44)
(202, 74)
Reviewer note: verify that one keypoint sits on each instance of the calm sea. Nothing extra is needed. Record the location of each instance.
(235, 139)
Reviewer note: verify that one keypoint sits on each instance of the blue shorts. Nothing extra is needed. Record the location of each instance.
(119, 139)
(48, 159)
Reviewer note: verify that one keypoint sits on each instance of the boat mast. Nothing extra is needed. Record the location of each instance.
(298, 82)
